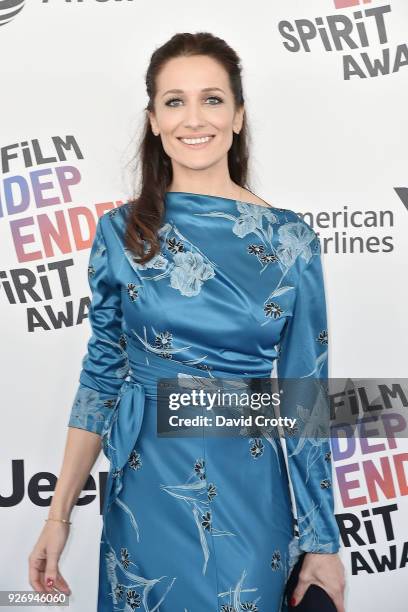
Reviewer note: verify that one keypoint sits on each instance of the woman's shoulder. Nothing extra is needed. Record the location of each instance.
(290, 220)
(113, 223)
(116, 215)
(295, 239)
(283, 215)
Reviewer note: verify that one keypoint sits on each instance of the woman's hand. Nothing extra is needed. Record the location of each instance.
(43, 560)
(327, 571)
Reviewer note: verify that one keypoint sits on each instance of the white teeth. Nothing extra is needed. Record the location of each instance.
(196, 140)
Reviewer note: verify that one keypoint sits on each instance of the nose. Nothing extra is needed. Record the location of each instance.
(193, 117)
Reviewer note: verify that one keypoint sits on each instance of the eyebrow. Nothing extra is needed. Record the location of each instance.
(179, 91)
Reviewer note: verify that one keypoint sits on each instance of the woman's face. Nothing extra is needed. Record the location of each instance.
(194, 100)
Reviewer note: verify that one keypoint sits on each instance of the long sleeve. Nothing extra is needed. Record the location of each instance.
(105, 365)
(303, 354)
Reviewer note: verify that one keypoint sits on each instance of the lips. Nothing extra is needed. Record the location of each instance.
(196, 136)
(197, 145)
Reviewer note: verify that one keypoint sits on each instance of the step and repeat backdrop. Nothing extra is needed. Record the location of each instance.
(325, 86)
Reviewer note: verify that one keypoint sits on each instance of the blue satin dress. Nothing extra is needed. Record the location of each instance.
(204, 523)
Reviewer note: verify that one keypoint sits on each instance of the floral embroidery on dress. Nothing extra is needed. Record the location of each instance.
(162, 345)
(206, 520)
(256, 249)
(211, 491)
(234, 594)
(174, 245)
(163, 340)
(133, 599)
(251, 220)
(139, 588)
(189, 273)
(124, 558)
(157, 262)
(249, 605)
(268, 258)
(291, 431)
(295, 238)
(195, 494)
(323, 337)
(256, 448)
(86, 407)
(204, 366)
(272, 309)
(313, 441)
(276, 561)
(309, 532)
(133, 291)
(259, 251)
(325, 483)
(187, 269)
(123, 341)
(134, 460)
(199, 468)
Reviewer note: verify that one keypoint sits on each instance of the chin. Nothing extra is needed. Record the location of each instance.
(199, 165)
(196, 160)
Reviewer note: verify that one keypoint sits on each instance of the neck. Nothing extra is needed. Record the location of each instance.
(211, 181)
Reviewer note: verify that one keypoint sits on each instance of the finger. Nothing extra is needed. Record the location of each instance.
(51, 571)
(299, 591)
(36, 584)
(338, 602)
(35, 573)
(62, 584)
(337, 593)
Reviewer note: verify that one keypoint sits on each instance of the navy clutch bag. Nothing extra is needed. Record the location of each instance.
(314, 600)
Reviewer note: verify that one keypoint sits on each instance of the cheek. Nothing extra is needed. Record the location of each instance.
(223, 124)
(167, 122)
(222, 120)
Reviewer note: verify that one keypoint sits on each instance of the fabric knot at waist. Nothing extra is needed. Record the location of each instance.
(146, 368)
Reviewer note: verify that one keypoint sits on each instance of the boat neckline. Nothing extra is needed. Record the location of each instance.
(206, 195)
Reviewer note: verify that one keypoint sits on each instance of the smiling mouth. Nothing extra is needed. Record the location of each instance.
(196, 142)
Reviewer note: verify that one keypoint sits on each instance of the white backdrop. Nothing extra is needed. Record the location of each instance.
(327, 137)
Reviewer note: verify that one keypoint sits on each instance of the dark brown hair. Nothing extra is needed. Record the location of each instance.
(147, 208)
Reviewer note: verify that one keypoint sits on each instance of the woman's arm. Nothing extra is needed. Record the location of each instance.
(304, 358)
(104, 368)
(82, 449)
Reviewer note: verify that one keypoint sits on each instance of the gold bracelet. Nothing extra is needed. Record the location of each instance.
(60, 520)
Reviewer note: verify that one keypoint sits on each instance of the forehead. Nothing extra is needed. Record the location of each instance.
(192, 74)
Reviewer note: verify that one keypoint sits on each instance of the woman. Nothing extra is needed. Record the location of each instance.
(197, 277)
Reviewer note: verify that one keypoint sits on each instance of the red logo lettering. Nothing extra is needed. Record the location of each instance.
(340, 4)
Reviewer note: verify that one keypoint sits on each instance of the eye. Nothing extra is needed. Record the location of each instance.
(214, 98)
(170, 102)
